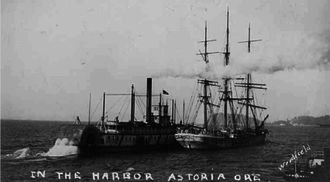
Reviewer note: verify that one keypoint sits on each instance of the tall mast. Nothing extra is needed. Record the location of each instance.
(183, 111)
(132, 104)
(205, 44)
(89, 109)
(248, 78)
(103, 113)
(205, 104)
(249, 41)
(205, 85)
(173, 111)
(247, 100)
(160, 108)
(205, 82)
(248, 83)
(227, 53)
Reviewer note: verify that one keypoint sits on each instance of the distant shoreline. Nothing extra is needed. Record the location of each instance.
(296, 121)
(36, 120)
(303, 121)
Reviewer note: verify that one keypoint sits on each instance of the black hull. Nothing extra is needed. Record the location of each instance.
(90, 150)
(200, 141)
(92, 140)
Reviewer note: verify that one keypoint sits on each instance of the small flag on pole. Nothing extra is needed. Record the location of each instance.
(165, 93)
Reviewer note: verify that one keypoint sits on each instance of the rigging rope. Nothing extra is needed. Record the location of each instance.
(96, 108)
(218, 110)
(239, 109)
(264, 103)
(215, 96)
(140, 103)
(117, 101)
(178, 114)
(125, 111)
(122, 106)
(194, 112)
(140, 107)
(136, 99)
(191, 102)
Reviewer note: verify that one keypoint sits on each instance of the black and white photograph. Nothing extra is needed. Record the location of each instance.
(165, 90)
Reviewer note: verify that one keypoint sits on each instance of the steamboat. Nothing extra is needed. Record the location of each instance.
(155, 132)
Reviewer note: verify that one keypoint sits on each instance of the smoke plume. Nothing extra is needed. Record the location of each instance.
(297, 51)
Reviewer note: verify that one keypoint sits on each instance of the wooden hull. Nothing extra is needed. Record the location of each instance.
(203, 141)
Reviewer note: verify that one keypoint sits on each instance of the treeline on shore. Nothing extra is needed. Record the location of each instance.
(304, 120)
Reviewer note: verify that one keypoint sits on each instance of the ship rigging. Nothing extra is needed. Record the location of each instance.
(224, 130)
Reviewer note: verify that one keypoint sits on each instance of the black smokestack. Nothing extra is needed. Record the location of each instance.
(149, 95)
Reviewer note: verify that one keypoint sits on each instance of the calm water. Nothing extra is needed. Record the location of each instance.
(263, 161)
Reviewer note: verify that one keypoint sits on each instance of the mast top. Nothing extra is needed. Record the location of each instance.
(227, 53)
(249, 39)
(205, 41)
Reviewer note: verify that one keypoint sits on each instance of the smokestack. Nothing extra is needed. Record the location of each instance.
(149, 95)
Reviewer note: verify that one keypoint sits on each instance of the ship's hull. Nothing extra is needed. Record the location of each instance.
(91, 139)
(128, 142)
(205, 141)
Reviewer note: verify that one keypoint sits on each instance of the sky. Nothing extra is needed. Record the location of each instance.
(55, 53)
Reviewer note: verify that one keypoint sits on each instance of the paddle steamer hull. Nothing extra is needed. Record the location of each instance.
(91, 139)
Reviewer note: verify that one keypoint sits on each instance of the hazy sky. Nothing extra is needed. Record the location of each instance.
(55, 52)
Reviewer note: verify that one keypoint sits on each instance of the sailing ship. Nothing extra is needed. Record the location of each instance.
(224, 130)
(156, 131)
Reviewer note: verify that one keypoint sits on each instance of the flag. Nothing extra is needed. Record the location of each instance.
(165, 93)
